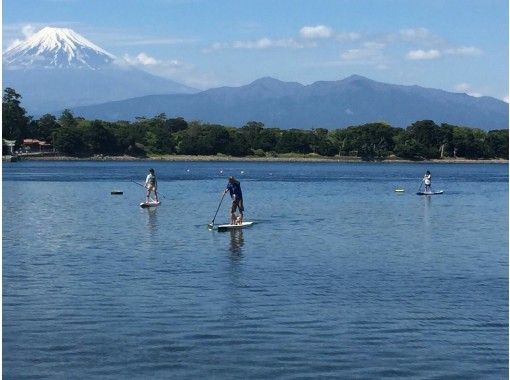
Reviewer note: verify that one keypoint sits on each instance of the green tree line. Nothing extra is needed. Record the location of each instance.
(75, 136)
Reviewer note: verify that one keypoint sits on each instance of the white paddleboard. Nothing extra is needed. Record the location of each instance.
(430, 192)
(226, 227)
(149, 204)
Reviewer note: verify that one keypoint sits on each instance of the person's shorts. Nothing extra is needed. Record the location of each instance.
(237, 204)
(151, 188)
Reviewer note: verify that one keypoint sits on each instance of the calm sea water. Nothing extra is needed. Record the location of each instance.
(340, 277)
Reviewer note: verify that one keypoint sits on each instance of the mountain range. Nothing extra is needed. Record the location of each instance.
(327, 104)
(57, 68)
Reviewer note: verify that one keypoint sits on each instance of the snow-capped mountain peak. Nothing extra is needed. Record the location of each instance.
(57, 48)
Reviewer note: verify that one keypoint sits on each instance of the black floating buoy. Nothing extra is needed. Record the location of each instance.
(117, 192)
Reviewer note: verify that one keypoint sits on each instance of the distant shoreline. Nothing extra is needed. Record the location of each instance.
(283, 158)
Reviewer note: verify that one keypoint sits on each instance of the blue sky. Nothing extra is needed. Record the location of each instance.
(454, 45)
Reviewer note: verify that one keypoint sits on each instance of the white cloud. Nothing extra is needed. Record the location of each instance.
(348, 36)
(423, 54)
(415, 34)
(466, 88)
(419, 35)
(370, 52)
(144, 59)
(318, 31)
(259, 44)
(118, 37)
(216, 46)
(141, 59)
(174, 69)
(28, 31)
(462, 87)
(265, 43)
(464, 51)
(324, 32)
(430, 46)
(356, 54)
(306, 39)
(143, 41)
(148, 62)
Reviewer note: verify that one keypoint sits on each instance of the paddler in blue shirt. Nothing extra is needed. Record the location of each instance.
(234, 187)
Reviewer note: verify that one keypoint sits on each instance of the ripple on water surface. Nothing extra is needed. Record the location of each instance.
(340, 277)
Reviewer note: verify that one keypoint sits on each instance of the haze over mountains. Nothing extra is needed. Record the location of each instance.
(57, 68)
(335, 104)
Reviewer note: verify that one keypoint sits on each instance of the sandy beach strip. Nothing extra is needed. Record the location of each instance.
(280, 158)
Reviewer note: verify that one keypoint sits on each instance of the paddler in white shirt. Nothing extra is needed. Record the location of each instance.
(151, 184)
(427, 180)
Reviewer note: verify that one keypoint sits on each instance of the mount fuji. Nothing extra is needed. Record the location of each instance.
(57, 48)
(57, 68)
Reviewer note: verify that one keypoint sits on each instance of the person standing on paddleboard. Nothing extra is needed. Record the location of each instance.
(427, 180)
(151, 184)
(234, 187)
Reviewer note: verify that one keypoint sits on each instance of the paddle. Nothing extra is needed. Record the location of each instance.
(211, 225)
(421, 184)
(139, 184)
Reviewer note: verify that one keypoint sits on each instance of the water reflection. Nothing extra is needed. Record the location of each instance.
(152, 218)
(234, 307)
(236, 242)
(427, 210)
